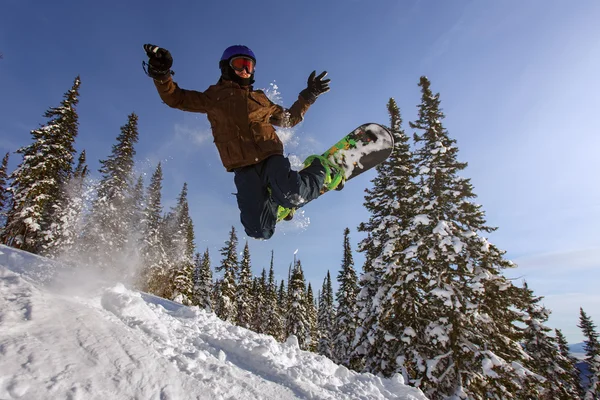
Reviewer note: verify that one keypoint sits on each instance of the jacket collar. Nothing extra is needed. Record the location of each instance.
(228, 83)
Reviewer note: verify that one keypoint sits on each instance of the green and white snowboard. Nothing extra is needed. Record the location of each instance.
(360, 150)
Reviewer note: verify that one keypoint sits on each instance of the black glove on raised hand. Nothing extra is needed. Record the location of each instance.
(159, 63)
(316, 86)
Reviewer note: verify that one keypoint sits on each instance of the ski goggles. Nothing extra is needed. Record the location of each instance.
(241, 63)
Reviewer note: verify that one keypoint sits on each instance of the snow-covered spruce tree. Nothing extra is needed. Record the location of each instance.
(273, 320)
(62, 236)
(136, 206)
(312, 340)
(244, 298)
(464, 342)
(254, 291)
(282, 304)
(569, 373)
(107, 233)
(545, 357)
(258, 304)
(216, 294)
(592, 355)
(154, 274)
(226, 305)
(297, 322)
(196, 281)
(263, 302)
(326, 318)
(366, 317)
(392, 204)
(38, 183)
(345, 318)
(179, 236)
(203, 282)
(4, 193)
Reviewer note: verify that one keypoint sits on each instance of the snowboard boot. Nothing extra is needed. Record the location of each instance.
(334, 177)
(285, 214)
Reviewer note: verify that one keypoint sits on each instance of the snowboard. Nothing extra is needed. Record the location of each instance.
(359, 151)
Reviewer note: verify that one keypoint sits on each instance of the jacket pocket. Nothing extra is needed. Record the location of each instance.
(263, 132)
(224, 133)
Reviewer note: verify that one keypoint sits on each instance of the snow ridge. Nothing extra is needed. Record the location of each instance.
(115, 342)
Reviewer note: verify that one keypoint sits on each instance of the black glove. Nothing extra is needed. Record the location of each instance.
(316, 86)
(159, 63)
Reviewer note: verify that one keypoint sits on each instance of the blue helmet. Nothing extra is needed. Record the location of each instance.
(237, 50)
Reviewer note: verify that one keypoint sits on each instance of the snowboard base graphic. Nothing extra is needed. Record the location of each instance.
(359, 151)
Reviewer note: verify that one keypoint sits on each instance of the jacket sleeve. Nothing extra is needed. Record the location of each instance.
(292, 116)
(186, 100)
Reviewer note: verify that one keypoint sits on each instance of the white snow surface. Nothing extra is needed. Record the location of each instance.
(62, 339)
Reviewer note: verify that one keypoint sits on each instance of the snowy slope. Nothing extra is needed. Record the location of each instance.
(80, 342)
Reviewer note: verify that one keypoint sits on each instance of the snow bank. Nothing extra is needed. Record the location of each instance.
(124, 344)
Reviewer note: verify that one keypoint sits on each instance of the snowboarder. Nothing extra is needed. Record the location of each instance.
(242, 122)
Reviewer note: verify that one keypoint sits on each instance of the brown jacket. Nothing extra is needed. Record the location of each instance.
(241, 118)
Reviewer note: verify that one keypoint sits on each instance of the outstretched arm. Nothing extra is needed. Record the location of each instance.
(288, 117)
(186, 100)
(316, 86)
(159, 69)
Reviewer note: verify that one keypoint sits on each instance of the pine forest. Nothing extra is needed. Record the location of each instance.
(432, 302)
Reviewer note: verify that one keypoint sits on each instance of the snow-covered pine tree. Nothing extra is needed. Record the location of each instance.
(345, 318)
(592, 355)
(254, 291)
(258, 304)
(107, 231)
(62, 236)
(297, 322)
(37, 185)
(4, 193)
(196, 280)
(465, 343)
(226, 306)
(154, 274)
(326, 318)
(273, 320)
(545, 358)
(391, 203)
(282, 304)
(136, 207)
(216, 294)
(203, 284)
(244, 298)
(179, 236)
(312, 339)
(366, 315)
(263, 302)
(569, 375)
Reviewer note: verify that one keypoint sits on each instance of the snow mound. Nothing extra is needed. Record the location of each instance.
(121, 344)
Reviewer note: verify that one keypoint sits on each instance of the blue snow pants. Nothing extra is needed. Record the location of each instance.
(270, 183)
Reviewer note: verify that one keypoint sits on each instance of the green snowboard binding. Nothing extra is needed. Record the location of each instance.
(357, 152)
(334, 180)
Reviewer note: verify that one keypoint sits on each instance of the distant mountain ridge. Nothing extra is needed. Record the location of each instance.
(577, 350)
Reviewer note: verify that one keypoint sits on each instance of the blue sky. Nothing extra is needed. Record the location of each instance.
(518, 83)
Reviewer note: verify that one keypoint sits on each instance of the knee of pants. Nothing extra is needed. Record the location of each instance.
(260, 234)
(259, 225)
